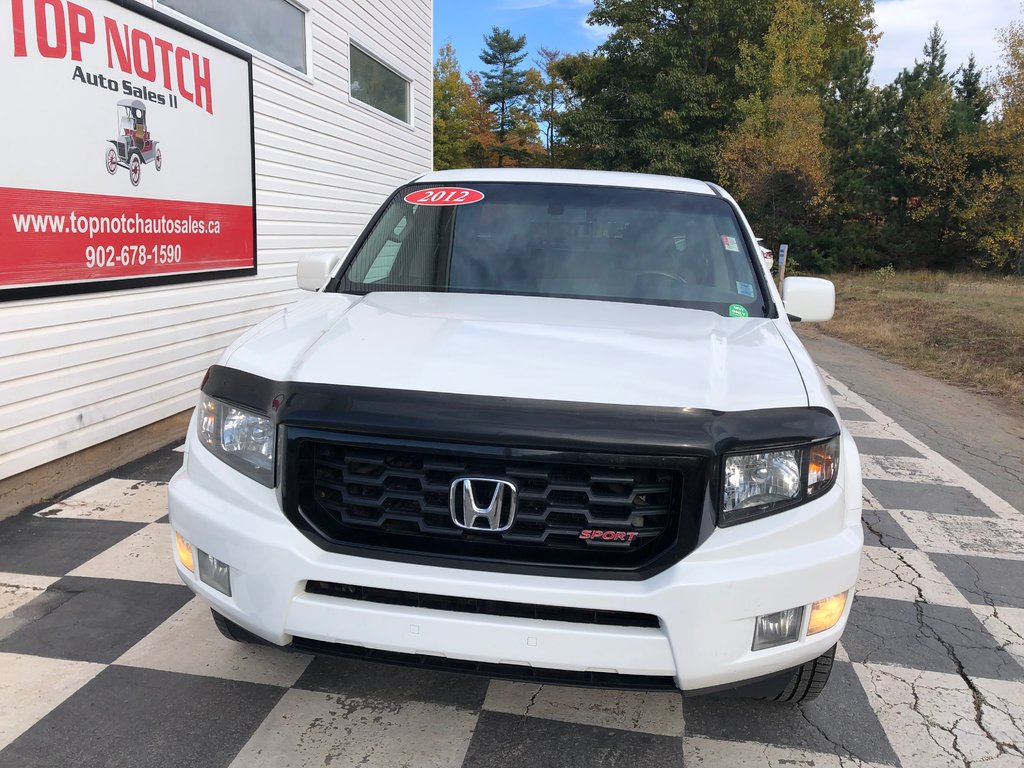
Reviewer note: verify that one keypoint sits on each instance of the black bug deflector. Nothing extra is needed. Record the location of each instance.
(521, 422)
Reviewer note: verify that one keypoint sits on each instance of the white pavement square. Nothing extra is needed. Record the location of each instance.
(188, 642)
(143, 556)
(308, 729)
(114, 499)
(659, 713)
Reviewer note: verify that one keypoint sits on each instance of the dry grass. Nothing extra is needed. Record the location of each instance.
(965, 329)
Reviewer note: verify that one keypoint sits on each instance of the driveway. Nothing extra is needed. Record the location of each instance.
(107, 660)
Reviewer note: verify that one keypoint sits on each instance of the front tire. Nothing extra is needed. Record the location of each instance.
(135, 169)
(111, 161)
(808, 679)
(159, 160)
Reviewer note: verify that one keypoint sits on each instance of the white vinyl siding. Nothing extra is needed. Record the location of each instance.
(78, 370)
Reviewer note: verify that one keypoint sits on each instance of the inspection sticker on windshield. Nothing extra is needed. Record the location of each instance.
(730, 243)
(745, 289)
(738, 310)
(444, 196)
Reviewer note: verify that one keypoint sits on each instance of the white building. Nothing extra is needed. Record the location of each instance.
(331, 140)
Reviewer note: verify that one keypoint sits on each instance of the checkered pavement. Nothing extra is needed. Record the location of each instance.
(107, 660)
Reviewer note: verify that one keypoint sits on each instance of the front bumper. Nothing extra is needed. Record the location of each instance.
(706, 604)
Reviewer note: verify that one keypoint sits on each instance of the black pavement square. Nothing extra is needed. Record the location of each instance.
(389, 682)
(515, 741)
(927, 497)
(978, 578)
(840, 721)
(141, 717)
(53, 547)
(96, 620)
(884, 446)
(881, 530)
(918, 635)
(854, 414)
(158, 466)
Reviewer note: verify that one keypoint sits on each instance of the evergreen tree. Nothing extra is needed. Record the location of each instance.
(934, 64)
(659, 93)
(853, 135)
(974, 98)
(505, 88)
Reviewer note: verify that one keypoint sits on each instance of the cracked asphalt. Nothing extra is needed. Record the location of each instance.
(107, 660)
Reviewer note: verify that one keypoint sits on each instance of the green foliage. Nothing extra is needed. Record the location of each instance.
(775, 100)
(775, 159)
(453, 111)
(506, 90)
(550, 97)
(659, 93)
(886, 273)
(973, 96)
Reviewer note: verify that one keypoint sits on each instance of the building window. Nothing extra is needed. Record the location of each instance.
(274, 27)
(374, 84)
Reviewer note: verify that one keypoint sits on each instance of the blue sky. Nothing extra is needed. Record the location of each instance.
(558, 24)
(969, 25)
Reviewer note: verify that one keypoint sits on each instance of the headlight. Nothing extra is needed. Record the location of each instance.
(759, 484)
(239, 438)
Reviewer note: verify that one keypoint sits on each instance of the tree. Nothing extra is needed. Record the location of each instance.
(973, 96)
(505, 90)
(453, 111)
(775, 161)
(658, 94)
(551, 94)
(995, 214)
(853, 136)
(481, 140)
(850, 25)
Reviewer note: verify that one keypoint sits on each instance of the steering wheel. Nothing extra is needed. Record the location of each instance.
(655, 273)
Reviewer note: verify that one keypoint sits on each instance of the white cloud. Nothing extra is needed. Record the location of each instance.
(596, 33)
(967, 25)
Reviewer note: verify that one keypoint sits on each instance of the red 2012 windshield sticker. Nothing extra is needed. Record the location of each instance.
(444, 196)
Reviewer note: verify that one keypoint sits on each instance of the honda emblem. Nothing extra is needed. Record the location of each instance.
(483, 503)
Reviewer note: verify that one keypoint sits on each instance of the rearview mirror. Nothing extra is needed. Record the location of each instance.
(313, 270)
(809, 299)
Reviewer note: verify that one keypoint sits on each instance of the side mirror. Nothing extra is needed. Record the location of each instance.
(810, 299)
(313, 270)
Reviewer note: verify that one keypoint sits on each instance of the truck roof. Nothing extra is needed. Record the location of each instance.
(562, 176)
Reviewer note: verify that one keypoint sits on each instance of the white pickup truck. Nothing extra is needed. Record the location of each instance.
(545, 425)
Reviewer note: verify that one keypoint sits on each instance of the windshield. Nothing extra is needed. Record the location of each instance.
(584, 242)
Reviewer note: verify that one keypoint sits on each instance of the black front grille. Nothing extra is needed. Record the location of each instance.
(391, 495)
(482, 607)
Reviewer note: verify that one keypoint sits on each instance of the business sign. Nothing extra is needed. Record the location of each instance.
(126, 150)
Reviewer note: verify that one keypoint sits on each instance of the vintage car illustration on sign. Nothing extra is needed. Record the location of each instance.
(132, 147)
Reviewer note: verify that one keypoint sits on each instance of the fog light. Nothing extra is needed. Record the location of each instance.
(826, 613)
(777, 628)
(213, 572)
(184, 551)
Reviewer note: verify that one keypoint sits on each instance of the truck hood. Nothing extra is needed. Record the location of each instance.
(527, 347)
